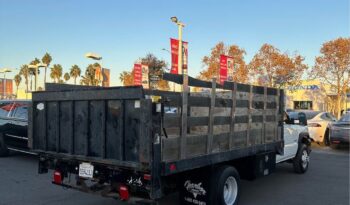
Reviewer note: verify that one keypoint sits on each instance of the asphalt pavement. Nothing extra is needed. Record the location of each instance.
(325, 183)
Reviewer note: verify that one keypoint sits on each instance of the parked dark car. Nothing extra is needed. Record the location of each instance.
(13, 126)
(340, 130)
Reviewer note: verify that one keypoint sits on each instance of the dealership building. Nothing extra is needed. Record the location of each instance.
(313, 95)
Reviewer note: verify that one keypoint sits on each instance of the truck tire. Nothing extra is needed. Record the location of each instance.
(3, 148)
(225, 185)
(301, 159)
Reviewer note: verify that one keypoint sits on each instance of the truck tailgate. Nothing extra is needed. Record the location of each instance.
(110, 125)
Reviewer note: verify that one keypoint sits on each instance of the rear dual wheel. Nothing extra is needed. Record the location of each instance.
(225, 184)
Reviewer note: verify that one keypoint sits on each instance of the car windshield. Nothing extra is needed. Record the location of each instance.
(309, 114)
(345, 118)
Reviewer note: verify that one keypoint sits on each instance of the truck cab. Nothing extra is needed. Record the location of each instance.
(296, 141)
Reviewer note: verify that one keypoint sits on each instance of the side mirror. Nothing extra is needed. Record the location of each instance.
(302, 119)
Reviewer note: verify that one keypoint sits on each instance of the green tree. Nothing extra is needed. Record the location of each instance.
(25, 73)
(156, 69)
(89, 78)
(75, 72)
(333, 67)
(46, 59)
(56, 73)
(17, 80)
(212, 63)
(66, 77)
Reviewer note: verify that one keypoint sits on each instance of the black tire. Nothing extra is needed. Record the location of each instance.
(301, 159)
(223, 177)
(3, 148)
(326, 141)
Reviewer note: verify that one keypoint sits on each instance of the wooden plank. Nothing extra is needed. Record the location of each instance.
(276, 115)
(258, 97)
(249, 115)
(211, 117)
(233, 117)
(221, 142)
(242, 96)
(184, 108)
(103, 128)
(199, 101)
(172, 120)
(264, 115)
(198, 121)
(107, 94)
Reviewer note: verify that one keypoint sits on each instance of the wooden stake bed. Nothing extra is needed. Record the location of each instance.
(124, 126)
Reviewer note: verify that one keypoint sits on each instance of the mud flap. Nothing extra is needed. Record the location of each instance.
(194, 188)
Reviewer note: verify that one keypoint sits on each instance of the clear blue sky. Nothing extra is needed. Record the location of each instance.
(123, 31)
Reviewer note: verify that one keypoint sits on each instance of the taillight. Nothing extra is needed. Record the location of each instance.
(57, 177)
(147, 177)
(313, 125)
(123, 192)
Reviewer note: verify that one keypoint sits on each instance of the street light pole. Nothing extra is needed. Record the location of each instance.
(180, 59)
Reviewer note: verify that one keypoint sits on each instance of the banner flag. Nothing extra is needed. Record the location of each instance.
(137, 74)
(145, 76)
(226, 68)
(174, 46)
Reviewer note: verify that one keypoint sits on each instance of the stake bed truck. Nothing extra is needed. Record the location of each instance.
(121, 142)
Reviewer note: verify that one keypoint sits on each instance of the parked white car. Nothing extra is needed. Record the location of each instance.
(318, 123)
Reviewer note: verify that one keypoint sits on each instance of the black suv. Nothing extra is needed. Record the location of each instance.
(13, 126)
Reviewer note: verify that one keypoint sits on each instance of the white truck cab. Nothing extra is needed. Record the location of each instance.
(296, 142)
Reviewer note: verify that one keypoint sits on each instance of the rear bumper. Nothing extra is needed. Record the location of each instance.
(106, 179)
(339, 140)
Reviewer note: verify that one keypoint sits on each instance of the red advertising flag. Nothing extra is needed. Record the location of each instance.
(226, 68)
(145, 74)
(174, 46)
(223, 69)
(185, 54)
(137, 74)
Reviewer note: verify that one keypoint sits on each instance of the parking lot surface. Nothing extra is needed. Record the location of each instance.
(325, 183)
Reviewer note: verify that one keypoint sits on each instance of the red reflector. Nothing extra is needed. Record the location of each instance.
(172, 167)
(147, 177)
(57, 177)
(123, 192)
(336, 142)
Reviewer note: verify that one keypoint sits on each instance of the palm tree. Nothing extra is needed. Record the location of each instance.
(25, 73)
(89, 77)
(56, 73)
(66, 76)
(46, 59)
(32, 72)
(18, 80)
(75, 72)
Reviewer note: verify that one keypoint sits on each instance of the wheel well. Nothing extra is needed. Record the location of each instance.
(304, 138)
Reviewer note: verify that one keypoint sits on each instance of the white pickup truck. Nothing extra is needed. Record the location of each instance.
(297, 143)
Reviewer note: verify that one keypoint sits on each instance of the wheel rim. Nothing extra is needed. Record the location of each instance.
(305, 159)
(230, 190)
